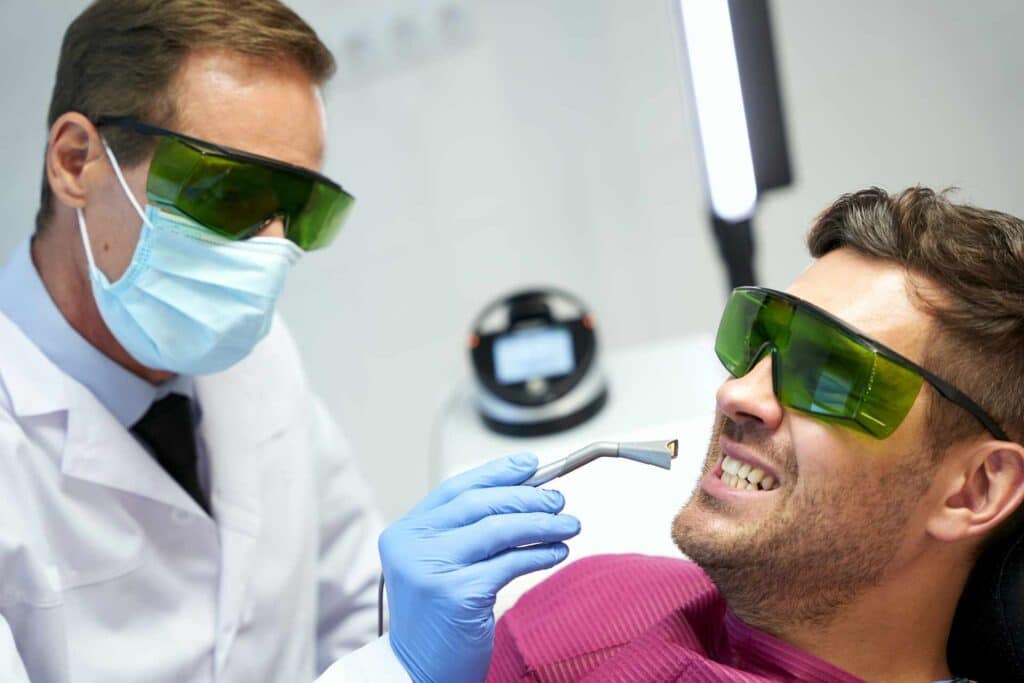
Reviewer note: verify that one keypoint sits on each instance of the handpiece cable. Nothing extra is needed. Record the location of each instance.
(380, 606)
(454, 395)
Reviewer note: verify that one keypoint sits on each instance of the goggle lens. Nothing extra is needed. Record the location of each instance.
(817, 366)
(236, 198)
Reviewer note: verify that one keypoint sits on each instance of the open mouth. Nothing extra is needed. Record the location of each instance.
(744, 476)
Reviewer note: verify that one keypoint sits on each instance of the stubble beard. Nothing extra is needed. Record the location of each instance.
(814, 554)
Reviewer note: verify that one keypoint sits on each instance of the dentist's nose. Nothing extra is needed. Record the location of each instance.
(274, 228)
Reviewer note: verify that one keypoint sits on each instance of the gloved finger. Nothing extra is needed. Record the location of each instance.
(496, 534)
(507, 471)
(495, 573)
(472, 506)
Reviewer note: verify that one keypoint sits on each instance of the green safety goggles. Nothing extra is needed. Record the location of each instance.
(823, 367)
(234, 193)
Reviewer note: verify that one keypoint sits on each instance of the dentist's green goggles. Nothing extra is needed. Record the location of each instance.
(234, 193)
(823, 367)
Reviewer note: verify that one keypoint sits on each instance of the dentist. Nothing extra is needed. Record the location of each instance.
(175, 503)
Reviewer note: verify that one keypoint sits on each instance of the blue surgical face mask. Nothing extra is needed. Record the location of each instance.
(191, 302)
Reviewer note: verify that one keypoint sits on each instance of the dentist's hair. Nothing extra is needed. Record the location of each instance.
(976, 256)
(120, 57)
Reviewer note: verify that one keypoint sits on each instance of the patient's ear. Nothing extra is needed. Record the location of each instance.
(983, 488)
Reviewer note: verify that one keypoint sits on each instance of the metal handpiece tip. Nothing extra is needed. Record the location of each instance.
(673, 447)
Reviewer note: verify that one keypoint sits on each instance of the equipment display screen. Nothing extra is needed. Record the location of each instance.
(534, 353)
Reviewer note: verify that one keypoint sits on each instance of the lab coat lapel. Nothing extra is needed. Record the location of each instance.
(97, 448)
(101, 451)
(240, 423)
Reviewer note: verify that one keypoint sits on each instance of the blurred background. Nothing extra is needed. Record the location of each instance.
(494, 144)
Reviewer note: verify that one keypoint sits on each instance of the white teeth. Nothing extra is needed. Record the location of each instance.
(741, 475)
(737, 482)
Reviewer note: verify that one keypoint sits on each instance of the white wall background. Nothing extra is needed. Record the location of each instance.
(550, 142)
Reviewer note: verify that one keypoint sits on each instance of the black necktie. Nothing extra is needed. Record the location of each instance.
(168, 430)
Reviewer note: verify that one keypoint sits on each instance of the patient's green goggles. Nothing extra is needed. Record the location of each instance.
(234, 193)
(823, 367)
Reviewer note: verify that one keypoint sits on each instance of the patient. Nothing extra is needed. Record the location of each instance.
(844, 500)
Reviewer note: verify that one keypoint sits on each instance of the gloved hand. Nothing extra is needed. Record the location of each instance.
(445, 561)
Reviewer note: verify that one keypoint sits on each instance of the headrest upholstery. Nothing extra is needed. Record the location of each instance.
(986, 642)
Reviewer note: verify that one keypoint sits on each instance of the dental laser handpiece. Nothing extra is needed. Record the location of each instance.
(660, 453)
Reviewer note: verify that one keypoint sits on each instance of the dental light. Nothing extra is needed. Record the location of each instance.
(731, 62)
(721, 119)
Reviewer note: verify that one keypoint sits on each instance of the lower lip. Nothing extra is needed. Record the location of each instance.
(713, 485)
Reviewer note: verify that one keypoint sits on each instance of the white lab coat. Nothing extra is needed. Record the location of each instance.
(109, 571)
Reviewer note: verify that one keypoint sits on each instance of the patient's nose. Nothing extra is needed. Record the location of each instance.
(751, 397)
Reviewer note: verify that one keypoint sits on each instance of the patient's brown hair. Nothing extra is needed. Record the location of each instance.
(977, 257)
(119, 58)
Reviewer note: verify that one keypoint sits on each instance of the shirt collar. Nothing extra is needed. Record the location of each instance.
(766, 655)
(24, 299)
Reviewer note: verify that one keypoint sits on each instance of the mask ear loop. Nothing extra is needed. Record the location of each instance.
(82, 228)
(85, 238)
(124, 183)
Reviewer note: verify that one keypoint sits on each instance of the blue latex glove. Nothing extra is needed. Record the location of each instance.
(445, 561)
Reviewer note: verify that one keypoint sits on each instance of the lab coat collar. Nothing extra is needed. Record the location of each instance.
(26, 302)
(237, 429)
(34, 385)
(37, 340)
(97, 448)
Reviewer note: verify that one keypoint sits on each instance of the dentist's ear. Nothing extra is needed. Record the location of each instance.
(986, 486)
(73, 148)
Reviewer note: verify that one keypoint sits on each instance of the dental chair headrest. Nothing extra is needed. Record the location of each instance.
(986, 642)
